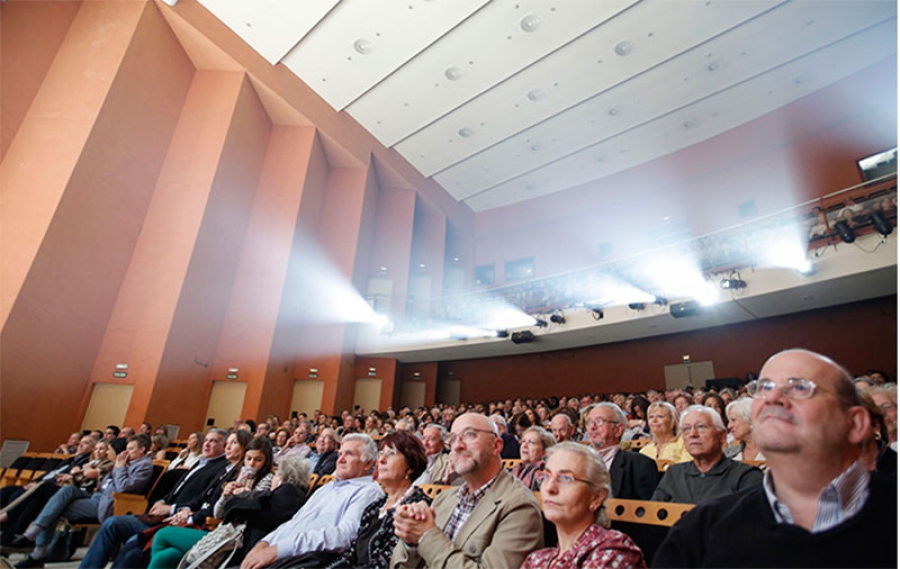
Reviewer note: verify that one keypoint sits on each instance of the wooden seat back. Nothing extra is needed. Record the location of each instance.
(432, 490)
(510, 463)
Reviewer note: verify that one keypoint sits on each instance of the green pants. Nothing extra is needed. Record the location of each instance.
(170, 544)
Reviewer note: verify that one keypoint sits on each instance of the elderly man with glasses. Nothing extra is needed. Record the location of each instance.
(818, 506)
(492, 520)
(634, 476)
(710, 474)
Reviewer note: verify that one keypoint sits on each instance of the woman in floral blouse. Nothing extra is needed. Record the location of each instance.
(574, 485)
(535, 442)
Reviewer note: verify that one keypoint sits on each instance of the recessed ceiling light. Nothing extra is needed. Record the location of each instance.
(613, 112)
(453, 73)
(536, 94)
(530, 23)
(624, 47)
(363, 46)
(466, 132)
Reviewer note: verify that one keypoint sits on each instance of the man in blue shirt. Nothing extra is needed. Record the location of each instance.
(330, 519)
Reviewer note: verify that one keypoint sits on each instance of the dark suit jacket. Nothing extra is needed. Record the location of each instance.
(634, 476)
(197, 486)
(326, 464)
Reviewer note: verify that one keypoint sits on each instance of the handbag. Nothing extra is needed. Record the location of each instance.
(215, 549)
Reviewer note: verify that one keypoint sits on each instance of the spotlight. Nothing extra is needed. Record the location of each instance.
(502, 333)
(809, 270)
(557, 319)
(660, 301)
(522, 337)
(732, 283)
(686, 308)
(540, 323)
(596, 312)
(845, 232)
(881, 223)
(636, 306)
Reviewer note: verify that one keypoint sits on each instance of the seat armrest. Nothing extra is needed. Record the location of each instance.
(126, 503)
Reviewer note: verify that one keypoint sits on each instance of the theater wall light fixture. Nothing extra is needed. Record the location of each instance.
(732, 283)
(558, 319)
(844, 231)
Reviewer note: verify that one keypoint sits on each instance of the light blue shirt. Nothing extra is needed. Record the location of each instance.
(329, 520)
(842, 499)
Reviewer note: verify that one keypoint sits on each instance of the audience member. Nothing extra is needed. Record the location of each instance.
(190, 492)
(132, 472)
(535, 442)
(634, 475)
(510, 442)
(886, 399)
(297, 445)
(667, 443)
(710, 474)
(401, 459)
(876, 454)
(818, 506)
(437, 470)
(329, 520)
(70, 446)
(325, 459)
(191, 453)
(574, 486)
(739, 425)
(562, 427)
(456, 532)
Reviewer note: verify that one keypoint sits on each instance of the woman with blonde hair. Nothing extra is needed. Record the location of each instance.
(667, 443)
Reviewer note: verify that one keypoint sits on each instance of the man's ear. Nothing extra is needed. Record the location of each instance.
(860, 423)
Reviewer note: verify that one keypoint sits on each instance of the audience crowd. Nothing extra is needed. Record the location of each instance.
(792, 469)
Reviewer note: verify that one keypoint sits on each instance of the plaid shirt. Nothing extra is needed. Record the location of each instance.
(467, 500)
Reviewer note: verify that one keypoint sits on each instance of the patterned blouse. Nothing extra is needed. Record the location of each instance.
(596, 548)
(526, 472)
(374, 542)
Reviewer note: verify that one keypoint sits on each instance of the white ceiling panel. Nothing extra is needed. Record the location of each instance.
(699, 121)
(271, 27)
(476, 55)
(647, 35)
(362, 42)
(708, 68)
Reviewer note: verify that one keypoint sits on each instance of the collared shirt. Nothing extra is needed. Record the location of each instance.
(608, 455)
(328, 521)
(466, 502)
(842, 499)
(684, 482)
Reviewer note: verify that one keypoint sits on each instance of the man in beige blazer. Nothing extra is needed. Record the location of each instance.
(492, 520)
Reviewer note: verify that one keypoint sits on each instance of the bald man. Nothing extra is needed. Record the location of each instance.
(492, 520)
(818, 506)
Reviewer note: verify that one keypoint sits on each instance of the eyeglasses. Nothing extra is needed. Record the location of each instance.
(598, 422)
(561, 478)
(701, 428)
(468, 436)
(796, 388)
(387, 453)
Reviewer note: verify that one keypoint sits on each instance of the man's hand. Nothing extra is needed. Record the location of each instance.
(181, 518)
(262, 555)
(122, 459)
(63, 479)
(160, 509)
(411, 521)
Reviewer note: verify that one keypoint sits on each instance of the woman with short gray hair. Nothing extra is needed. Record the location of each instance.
(534, 444)
(574, 486)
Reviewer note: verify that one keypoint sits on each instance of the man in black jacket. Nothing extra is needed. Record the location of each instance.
(634, 476)
(818, 506)
(191, 491)
(326, 452)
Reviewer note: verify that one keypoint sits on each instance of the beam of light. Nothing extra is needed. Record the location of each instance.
(787, 249)
(608, 290)
(679, 276)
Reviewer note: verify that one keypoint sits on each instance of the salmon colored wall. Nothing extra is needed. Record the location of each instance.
(247, 334)
(30, 35)
(829, 131)
(385, 370)
(428, 373)
(860, 336)
(392, 243)
(183, 383)
(113, 158)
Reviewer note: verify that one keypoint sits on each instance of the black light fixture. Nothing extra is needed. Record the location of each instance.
(540, 323)
(636, 306)
(558, 319)
(732, 283)
(881, 223)
(522, 337)
(844, 231)
(502, 333)
(686, 308)
(596, 312)
(660, 300)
